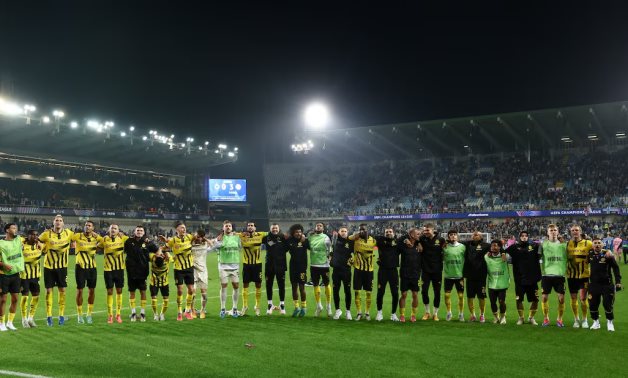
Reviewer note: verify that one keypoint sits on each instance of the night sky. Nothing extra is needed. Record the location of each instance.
(224, 74)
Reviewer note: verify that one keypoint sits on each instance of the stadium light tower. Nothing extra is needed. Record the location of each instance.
(316, 115)
(27, 110)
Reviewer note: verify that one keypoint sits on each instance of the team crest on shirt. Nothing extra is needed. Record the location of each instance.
(590, 297)
(437, 242)
(603, 260)
(478, 248)
(346, 245)
(299, 244)
(529, 248)
(394, 243)
(143, 245)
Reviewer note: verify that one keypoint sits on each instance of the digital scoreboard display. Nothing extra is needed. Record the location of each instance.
(227, 190)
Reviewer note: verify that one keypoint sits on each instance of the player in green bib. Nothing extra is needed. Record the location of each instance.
(553, 255)
(320, 248)
(498, 280)
(12, 264)
(453, 261)
(228, 245)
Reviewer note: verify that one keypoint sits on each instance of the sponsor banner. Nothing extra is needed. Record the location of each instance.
(492, 214)
(28, 210)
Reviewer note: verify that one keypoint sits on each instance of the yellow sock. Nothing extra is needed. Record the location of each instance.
(328, 294)
(34, 302)
(143, 304)
(448, 301)
(90, 309)
(482, 305)
(110, 304)
(561, 310)
(545, 308)
(164, 305)
(132, 303)
(296, 303)
(460, 302)
(245, 297)
(402, 311)
(532, 313)
(368, 302)
(11, 316)
(258, 296)
(317, 294)
(79, 310)
(61, 303)
(179, 303)
(520, 312)
(118, 304)
(153, 304)
(23, 305)
(471, 306)
(414, 309)
(304, 304)
(188, 302)
(358, 301)
(574, 307)
(584, 305)
(4, 318)
(49, 304)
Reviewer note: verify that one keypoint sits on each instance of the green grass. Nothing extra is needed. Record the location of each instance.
(308, 346)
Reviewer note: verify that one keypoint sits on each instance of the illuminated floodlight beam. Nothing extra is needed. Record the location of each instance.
(74, 124)
(316, 115)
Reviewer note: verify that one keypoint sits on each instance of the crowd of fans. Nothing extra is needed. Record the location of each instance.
(486, 183)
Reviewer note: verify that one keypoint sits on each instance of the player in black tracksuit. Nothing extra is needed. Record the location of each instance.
(410, 272)
(527, 274)
(342, 253)
(276, 248)
(601, 284)
(387, 274)
(475, 272)
(431, 268)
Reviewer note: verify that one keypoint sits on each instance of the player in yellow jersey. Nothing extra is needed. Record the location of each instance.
(578, 273)
(363, 269)
(113, 248)
(33, 252)
(57, 241)
(251, 265)
(181, 247)
(85, 246)
(159, 267)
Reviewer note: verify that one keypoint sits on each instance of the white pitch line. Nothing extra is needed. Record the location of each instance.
(18, 374)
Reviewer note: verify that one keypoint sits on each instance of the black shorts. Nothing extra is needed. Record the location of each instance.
(30, 285)
(185, 276)
(362, 280)
(252, 273)
(575, 284)
(389, 277)
(317, 273)
(531, 292)
(297, 277)
(87, 276)
(476, 289)
(137, 284)
(55, 277)
(411, 284)
(451, 282)
(549, 283)
(165, 290)
(10, 284)
(114, 278)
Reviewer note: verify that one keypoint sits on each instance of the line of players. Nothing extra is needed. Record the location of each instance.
(424, 257)
(139, 257)
(420, 259)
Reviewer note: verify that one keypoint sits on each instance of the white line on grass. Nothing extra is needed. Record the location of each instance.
(18, 374)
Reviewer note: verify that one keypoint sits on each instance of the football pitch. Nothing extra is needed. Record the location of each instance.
(284, 346)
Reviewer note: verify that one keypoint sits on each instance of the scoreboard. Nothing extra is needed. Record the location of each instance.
(227, 190)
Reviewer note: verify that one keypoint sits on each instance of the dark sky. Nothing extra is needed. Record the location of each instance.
(225, 73)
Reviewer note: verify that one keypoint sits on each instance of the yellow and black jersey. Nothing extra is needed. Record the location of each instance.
(578, 259)
(252, 247)
(181, 247)
(86, 249)
(113, 248)
(363, 253)
(159, 273)
(32, 261)
(57, 248)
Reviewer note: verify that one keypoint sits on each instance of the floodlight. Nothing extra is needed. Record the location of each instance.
(316, 116)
